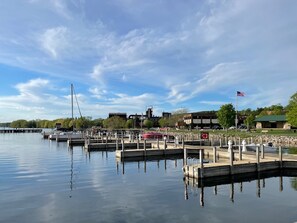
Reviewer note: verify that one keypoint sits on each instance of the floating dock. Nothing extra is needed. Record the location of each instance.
(240, 163)
(115, 146)
(82, 142)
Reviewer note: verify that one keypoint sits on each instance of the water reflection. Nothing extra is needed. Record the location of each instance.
(120, 163)
(258, 178)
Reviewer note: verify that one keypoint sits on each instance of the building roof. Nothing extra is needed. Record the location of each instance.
(271, 118)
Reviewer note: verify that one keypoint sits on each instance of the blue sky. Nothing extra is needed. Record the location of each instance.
(126, 55)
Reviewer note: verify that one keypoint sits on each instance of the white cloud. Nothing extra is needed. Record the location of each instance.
(54, 40)
(201, 48)
(221, 76)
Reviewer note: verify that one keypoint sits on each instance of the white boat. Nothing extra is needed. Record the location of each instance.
(64, 136)
(267, 147)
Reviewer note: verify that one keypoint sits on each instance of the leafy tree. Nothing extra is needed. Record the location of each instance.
(249, 121)
(164, 122)
(277, 109)
(292, 110)
(148, 123)
(97, 122)
(21, 123)
(226, 115)
(114, 122)
(129, 123)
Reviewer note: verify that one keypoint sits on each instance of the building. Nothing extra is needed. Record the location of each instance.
(272, 121)
(201, 120)
(166, 114)
(121, 115)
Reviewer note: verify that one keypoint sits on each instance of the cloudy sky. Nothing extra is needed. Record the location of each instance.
(127, 55)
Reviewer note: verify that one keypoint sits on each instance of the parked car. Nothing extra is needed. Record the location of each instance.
(216, 127)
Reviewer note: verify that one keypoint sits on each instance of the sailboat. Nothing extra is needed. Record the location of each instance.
(64, 136)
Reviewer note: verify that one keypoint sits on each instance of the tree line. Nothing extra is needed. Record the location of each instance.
(226, 118)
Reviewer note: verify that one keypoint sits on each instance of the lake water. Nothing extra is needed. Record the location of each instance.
(44, 181)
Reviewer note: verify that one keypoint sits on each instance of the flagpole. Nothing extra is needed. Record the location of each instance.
(236, 121)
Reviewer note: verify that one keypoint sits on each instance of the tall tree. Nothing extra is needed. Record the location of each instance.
(292, 110)
(226, 115)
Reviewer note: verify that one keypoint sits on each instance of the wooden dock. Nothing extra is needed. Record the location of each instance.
(21, 130)
(116, 146)
(240, 163)
(82, 142)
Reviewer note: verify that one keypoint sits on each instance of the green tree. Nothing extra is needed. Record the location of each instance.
(249, 121)
(226, 115)
(114, 122)
(292, 110)
(148, 123)
(129, 123)
(21, 123)
(164, 122)
(97, 122)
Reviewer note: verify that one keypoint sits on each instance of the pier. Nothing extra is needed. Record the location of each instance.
(238, 162)
(21, 130)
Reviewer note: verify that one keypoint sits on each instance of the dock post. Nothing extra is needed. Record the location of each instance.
(243, 146)
(214, 154)
(144, 147)
(257, 155)
(201, 162)
(185, 157)
(231, 154)
(220, 142)
(229, 145)
(240, 151)
(262, 152)
(280, 156)
(117, 144)
(158, 145)
(183, 142)
(137, 143)
(165, 145)
(123, 146)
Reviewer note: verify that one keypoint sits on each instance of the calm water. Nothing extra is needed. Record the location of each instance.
(42, 181)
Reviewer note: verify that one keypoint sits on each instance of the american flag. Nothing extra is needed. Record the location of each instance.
(240, 93)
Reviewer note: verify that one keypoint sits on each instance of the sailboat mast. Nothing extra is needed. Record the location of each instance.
(72, 102)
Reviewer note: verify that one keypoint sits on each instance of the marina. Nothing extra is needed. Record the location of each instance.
(48, 181)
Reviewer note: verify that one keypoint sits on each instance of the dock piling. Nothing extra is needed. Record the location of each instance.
(257, 155)
(280, 156)
(239, 151)
(262, 152)
(214, 154)
(231, 155)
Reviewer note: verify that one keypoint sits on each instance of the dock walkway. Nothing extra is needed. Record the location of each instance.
(240, 163)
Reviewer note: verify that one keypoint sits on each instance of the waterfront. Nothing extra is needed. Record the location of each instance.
(44, 181)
